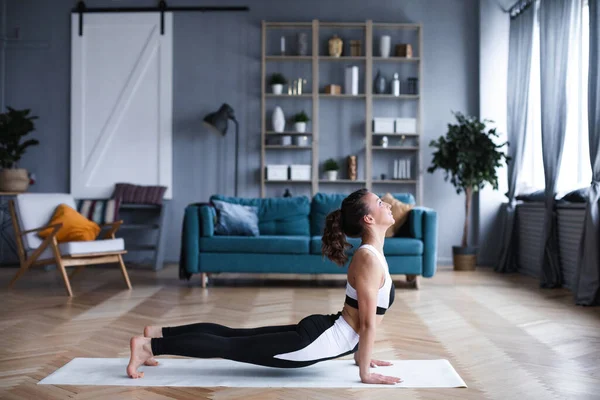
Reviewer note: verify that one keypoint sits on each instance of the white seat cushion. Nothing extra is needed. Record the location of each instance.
(86, 247)
(35, 210)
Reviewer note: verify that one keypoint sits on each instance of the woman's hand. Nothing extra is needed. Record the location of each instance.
(378, 363)
(380, 379)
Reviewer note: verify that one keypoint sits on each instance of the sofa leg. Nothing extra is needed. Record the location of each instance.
(203, 279)
(413, 281)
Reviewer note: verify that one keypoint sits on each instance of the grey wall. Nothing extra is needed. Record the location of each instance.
(493, 68)
(217, 59)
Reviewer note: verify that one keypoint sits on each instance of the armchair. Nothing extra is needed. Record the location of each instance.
(31, 212)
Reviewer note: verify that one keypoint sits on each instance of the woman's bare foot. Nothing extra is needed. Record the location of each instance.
(141, 352)
(153, 331)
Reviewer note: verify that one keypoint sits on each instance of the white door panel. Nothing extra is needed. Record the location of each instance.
(121, 103)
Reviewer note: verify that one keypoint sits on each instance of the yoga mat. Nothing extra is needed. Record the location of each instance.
(219, 372)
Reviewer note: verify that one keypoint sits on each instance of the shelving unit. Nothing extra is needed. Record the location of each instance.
(313, 92)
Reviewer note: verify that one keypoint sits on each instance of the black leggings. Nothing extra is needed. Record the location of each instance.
(255, 345)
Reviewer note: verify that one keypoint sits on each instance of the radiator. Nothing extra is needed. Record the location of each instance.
(570, 227)
(530, 228)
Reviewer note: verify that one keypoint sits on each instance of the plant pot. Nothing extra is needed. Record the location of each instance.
(464, 258)
(277, 88)
(14, 180)
(331, 175)
(300, 127)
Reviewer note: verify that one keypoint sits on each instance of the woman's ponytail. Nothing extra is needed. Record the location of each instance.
(334, 244)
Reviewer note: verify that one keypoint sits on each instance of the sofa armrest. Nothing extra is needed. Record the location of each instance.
(423, 225)
(197, 221)
(207, 224)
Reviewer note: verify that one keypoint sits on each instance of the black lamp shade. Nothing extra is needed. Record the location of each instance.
(218, 120)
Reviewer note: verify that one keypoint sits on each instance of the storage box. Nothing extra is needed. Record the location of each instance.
(333, 89)
(406, 125)
(277, 172)
(300, 172)
(383, 125)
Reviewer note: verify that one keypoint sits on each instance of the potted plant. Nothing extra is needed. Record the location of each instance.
(277, 82)
(300, 121)
(331, 168)
(469, 157)
(14, 126)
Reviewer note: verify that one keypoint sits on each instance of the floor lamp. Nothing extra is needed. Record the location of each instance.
(217, 122)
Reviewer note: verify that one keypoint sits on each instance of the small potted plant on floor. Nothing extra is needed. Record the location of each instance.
(14, 126)
(277, 82)
(331, 168)
(300, 121)
(469, 158)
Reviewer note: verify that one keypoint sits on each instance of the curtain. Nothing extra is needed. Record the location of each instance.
(556, 22)
(519, 68)
(587, 284)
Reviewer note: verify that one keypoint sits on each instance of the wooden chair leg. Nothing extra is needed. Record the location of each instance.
(124, 271)
(24, 267)
(203, 280)
(60, 265)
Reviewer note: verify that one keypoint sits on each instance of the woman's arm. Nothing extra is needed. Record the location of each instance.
(368, 280)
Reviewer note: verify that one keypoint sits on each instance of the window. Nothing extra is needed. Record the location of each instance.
(575, 170)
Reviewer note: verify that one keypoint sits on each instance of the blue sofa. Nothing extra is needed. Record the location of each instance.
(290, 239)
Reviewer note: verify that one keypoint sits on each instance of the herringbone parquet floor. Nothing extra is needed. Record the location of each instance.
(507, 338)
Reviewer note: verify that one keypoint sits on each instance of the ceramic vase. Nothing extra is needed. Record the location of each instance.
(278, 120)
(385, 43)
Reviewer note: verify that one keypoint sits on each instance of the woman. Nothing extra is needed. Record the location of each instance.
(369, 293)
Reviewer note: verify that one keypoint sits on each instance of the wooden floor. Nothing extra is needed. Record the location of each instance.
(507, 338)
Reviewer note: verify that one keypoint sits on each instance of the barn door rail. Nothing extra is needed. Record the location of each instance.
(162, 7)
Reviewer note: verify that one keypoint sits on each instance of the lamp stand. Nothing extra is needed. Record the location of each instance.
(236, 157)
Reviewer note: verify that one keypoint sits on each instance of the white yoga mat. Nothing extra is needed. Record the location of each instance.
(218, 372)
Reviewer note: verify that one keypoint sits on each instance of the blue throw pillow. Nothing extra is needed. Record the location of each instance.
(236, 219)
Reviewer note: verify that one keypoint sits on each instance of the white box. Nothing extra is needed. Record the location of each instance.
(383, 125)
(406, 125)
(277, 172)
(300, 172)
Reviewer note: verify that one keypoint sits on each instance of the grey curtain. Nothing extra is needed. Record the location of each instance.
(519, 66)
(556, 18)
(587, 288)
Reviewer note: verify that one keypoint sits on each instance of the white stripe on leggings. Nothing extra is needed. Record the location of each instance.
(338, 339)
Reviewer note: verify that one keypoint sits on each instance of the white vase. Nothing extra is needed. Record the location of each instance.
(385, 45)
(351, 81)
(300, 127)
(277, 88)
(278, 119)
(331, 175)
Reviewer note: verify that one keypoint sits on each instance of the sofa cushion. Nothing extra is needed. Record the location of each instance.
(255, 244)
(75, 227)
(277, 215)
(391, 247)
(236, 219)
(324, 203)
(87, 247)
(400, 212)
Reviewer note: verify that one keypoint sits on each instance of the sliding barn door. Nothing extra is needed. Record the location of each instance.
(121, 102)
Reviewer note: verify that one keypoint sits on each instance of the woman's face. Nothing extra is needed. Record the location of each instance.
(380, 211)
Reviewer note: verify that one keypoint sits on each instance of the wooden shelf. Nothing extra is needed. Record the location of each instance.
(342, 181)
(134, 206)
(401, 148)
(272, 133)
(342, 58)
(394, 134)
(290, 96)
(397, 59)
(288, 58)
(286, 181)
(401, 97)
(341, 96)
(290, 147)
(374, 156)
(395, 181)
(139, 226)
